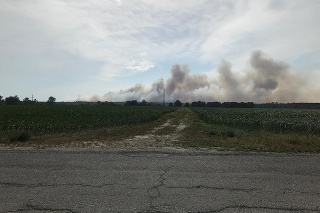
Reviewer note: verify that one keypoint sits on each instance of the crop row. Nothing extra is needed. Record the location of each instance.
(57, 119)
(276, 120)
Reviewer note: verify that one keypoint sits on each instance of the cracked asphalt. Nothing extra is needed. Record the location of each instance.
(158, 181)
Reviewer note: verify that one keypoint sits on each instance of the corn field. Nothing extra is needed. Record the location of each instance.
(45, 119)
(276, 120)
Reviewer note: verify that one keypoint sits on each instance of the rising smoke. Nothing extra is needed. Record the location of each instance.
(267, 80)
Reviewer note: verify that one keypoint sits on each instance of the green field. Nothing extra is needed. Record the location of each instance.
(274, 120)
(275, 130)
(51, 119)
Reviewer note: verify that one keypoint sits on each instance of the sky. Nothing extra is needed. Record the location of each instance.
(118, 50)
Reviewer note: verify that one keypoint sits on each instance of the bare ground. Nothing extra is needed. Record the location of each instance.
(159, 136)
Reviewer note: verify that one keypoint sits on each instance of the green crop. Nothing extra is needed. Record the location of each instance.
(45, 119)
(276, 120)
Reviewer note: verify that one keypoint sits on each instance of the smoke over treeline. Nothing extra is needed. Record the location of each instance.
(267, 80)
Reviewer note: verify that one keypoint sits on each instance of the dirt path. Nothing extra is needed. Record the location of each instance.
(160, 135)
(163, 135)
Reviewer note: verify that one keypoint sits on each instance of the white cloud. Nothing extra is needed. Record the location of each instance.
(37, 34)
(140, 66)
(287, 31)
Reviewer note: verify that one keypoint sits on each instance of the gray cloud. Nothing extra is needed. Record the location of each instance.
(266, 80)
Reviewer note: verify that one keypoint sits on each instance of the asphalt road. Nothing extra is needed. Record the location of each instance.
(87, 181)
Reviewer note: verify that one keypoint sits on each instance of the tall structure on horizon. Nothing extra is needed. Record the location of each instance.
(164, 97)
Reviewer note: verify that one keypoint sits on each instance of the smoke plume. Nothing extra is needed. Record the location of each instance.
(267, 80)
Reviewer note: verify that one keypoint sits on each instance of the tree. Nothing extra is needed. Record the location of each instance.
(51, 100)
(26, 100)
(198, 104)
(170, 104)
(214, 104)
(1, 100)
(143, 103)
(177, 103)
(131, 103)
(186, 104)
(12, 100)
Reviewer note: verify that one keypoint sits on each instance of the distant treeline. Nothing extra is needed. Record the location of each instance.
(136, 103)
(14, 100)
(224, 104)
(178, 103)
(289, 105)
(218, 104)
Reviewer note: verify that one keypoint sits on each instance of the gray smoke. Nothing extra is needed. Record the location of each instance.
(136, 88)
(267, 71)
(227, 78)
(267, 80)
(272, 80)
(182, 81)
(229, 84)
(158, 86)
(178, 75)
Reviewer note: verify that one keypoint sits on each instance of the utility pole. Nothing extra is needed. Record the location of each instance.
(32, 98)
(164, 97)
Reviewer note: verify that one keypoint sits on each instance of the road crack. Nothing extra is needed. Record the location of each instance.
(212, 188)
(302, 192)
(29, 208)
(23, 185)
(154, 192)
(261, 208)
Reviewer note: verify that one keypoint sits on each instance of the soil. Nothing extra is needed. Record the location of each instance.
(159, 137)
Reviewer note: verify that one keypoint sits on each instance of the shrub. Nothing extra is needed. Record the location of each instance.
(228, 133)
(213, 133)
(22, 136)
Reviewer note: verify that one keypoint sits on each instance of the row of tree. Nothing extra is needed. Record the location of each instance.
(15, 100)
(136, 103)
(178, 103)
(289, 105)
(216, 104)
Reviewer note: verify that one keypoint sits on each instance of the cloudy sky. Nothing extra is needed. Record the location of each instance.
(225, 50)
